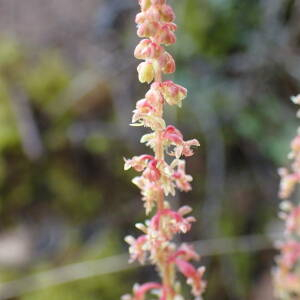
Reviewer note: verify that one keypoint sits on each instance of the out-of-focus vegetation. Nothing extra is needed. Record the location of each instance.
(66, 95)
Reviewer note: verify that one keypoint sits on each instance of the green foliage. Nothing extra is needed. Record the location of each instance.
(70, 192)
(9, 137)
(258, 123)
(47, 78)
(96, 143)
(216, 28)
(10, 54)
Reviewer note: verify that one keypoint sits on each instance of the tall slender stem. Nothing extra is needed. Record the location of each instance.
(159, 179)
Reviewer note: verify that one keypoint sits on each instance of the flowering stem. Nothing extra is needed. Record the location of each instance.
(165, 267)
(287, 273)
(158, 178)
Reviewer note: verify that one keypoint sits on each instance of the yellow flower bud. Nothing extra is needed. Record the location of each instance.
(146, 72)
(145, 4)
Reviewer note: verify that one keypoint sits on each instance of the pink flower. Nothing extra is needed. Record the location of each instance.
(148, 111)
(147, 49)
(187, 151)
(166, 34)
(174, 137)
(286, 283)
(146, 163)
(154, 13)
(170, 222)
(140, 291)
(293, 221)
(152, 173)
(290, 253)
(140, 18)
(167, 13)
(287, 183)
(186, 252)
(148, 28)
(139, 163)
(295, 144)
(194, 276)
(151, 195)
(181, 178)
(172, 134)
(145, 112)
(148, 119)
(158, 2)
(173, 93)
(144, 106)
(167, 63)
(151, 192)
(138, 248)
(154, 97)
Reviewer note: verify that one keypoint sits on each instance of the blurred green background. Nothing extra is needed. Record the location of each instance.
(68, 84)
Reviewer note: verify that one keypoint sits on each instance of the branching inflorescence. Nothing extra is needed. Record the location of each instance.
(159, 178)
(287, 273)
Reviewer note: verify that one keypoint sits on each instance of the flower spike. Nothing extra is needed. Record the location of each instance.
(157, 177)
(287, 273)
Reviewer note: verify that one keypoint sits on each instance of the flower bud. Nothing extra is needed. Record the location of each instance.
(141, 227)
(144, 106)
(287, 185)
(147, 49)
(152, 173)
(172, 134)
(145, 4)
(184, 210)
(139, 51)
(167, 13)
(158, 2)
(154, 97)
(182, 179)
(140, 18)
(295, 145)
(129, 239)
(166, 35)
(173, 93)
(293, 221)
(167, 63)
(154, 14)
(146, 72)
(148, 29)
